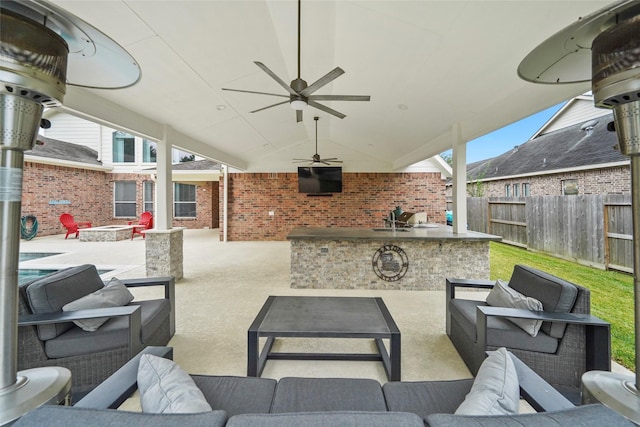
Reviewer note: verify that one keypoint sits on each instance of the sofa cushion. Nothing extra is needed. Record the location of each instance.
(495, 390)
(295, 394)
(324, 419)
(502, 332)
(426, 397)
(557, 295)
(50, 293)
(502, 295)
(237, 395)
(580, 416)
(113, 334)
(166, 389)
(66, 416)
(114, 294)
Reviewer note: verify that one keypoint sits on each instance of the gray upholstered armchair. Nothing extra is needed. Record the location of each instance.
(104, 338)
(569, 342)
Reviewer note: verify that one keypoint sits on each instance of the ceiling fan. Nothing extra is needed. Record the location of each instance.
(300, 94)
(316, 157)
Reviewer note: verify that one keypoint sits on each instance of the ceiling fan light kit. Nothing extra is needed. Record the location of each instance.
(298, 104)
(300, 94)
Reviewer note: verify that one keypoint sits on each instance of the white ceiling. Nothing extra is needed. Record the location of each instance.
(451, 63)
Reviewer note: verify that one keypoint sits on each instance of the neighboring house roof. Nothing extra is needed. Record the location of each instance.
(196, 165)
(580, 146)
(60, 150)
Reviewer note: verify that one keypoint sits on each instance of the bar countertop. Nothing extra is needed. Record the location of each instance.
(424, 232)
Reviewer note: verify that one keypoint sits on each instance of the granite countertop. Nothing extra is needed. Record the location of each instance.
(428, 232)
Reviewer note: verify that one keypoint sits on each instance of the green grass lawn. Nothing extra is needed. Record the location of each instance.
(611, 292)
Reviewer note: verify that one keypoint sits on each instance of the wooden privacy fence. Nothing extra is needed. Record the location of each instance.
(592, 229)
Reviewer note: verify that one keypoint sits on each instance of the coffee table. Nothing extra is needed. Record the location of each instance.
(324, 317)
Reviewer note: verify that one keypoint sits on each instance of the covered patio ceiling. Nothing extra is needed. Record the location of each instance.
(433, 69)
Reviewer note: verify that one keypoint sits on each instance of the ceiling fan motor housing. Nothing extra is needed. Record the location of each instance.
(298, 85)
(616, 80)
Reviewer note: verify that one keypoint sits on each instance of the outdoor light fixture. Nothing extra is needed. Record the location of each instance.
(36, 39)
(608, 40)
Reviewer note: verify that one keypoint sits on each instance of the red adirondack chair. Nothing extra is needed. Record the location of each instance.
(145, 223)
(71, 225)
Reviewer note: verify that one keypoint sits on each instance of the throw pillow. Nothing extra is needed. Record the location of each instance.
(504, 296)
(166, 389)
(495, 390)
(114, 294)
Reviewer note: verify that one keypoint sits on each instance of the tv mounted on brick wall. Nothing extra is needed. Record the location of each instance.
(319, 179)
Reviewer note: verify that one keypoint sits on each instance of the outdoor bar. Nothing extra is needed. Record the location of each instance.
(418, 258)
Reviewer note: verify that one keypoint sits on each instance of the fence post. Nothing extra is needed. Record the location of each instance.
(605, 228)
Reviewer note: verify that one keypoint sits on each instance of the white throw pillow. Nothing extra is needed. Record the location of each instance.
(495, 390)
(502, 295)
(166, 389)
(114, 294)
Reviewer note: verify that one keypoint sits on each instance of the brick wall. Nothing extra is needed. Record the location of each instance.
(365, 199)
(47, 189)
(599, 181)
(615, 180)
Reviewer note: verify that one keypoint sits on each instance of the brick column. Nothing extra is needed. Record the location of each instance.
(164, 252)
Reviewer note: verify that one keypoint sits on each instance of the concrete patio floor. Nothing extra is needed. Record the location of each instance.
(226, 284)
(224, 287)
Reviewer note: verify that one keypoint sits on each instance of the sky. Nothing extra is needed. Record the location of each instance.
(502, 140)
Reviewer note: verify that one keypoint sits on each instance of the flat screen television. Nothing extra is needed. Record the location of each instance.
(319, 179)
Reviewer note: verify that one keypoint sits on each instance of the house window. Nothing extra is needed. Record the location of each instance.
(124, 200)
(184, 200)
(149, 151)
(570, 187)
(526, 189)
(507, 190)
(516, 190)
(147, 196)
(124, 148)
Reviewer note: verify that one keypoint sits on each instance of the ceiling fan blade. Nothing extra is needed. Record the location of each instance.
(327, 78)
(275, 77)
(258, 93)
(326, 109)
(340, 97)
(298, 116)
(269, 106)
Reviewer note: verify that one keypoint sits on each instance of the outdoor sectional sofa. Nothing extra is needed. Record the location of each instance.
(112, 335)
(293, 401)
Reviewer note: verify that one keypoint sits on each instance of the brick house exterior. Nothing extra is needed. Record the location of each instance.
(67, 178)
(49, 191)
(79, 177)
(609, 180)
(573, 153)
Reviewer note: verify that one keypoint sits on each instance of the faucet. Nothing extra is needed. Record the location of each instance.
(393, 221)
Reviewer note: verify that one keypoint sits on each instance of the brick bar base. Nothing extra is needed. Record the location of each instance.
(347, 264)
